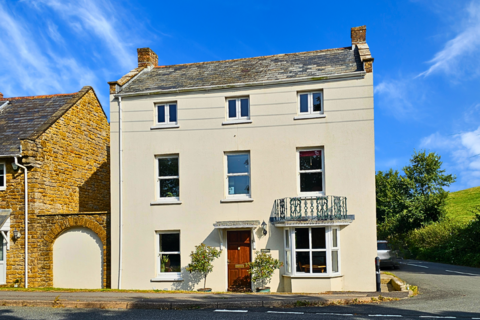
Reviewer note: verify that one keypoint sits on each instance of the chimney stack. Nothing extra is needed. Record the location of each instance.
(1, 95)
(146, 57)
(359, 35)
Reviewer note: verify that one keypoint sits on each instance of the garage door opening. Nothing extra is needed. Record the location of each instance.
(78, 260)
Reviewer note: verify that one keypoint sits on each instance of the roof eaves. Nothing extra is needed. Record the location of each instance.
(247, 84)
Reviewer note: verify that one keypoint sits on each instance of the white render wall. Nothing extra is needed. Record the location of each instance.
(346, 134)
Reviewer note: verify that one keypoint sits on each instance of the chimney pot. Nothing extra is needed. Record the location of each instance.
(359, 35)
(146, 57)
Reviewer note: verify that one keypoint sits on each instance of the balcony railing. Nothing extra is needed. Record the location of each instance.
(310, 208)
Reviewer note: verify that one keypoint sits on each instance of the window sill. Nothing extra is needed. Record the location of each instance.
(235, 122)
(167, 279)
(165, 202)
(164, 126)
(298, 276)
(309, 116)
(236, 200)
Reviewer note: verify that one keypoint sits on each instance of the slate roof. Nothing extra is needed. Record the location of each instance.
(260, 69)
(28, 117)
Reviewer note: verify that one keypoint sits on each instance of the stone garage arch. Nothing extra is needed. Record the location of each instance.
(64, 224)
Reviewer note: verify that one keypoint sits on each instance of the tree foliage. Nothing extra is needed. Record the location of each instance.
(414, 199)
(202, 259)
(262, 268)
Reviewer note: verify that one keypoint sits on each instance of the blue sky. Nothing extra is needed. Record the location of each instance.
(427, 65)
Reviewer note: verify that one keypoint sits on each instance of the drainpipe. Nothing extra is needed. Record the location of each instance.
(26, 220)
(120, 192)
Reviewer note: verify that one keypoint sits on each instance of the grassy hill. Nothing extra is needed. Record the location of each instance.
(461, 203)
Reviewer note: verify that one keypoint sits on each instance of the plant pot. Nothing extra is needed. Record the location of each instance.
(205, 290)
(264, 289)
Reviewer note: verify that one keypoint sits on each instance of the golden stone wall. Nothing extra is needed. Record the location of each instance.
(69, 186)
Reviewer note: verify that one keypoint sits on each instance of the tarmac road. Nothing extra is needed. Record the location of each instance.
(447, 292)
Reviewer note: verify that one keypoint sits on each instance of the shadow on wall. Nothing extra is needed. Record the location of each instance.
(94, 194)
(190, 281)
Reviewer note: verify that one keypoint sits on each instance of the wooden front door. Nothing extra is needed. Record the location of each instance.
(239, 254)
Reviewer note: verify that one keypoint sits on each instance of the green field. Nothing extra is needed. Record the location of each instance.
(461, 203)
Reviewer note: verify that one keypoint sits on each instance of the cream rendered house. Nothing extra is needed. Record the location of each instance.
(270, 153)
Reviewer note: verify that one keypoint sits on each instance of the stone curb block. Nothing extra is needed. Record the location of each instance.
(174, 305)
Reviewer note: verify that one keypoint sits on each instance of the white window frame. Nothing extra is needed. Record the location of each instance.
(238, 109)
(167, 113)
(172, 276)
(4, 176)
(310, 103)
(328, 249)
(322, 170)
(159, 178)
(227, 175)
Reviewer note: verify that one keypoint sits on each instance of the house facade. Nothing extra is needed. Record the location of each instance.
(54, 191)
(272, 154)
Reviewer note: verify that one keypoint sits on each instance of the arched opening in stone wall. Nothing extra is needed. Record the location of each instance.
(78, 259)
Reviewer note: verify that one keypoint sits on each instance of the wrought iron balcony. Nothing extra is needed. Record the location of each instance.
(318, 208)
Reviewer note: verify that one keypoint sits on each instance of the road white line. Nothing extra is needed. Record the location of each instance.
(336, 314)
(438, 317)
(285, 312)
(469, 274)
(224, 310)
(385, 315)
(415, 265)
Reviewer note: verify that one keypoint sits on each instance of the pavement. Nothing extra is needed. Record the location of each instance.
(177, 301)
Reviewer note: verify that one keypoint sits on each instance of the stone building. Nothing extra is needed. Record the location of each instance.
(55, 149)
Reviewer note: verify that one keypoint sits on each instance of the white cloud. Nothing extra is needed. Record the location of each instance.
(464, 150)
(98, 18)
(460, 54)
(400, 98)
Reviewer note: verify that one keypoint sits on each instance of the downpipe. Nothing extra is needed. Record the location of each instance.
(26, 219)
(120, 193)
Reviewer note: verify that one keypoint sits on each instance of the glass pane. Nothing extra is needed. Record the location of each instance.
(317, 102)
(161, 114)
(173, 112)
(304, 103)
(232, 108)
(2, 169)
(167, 167)
(301, 238)
(288, 261)
(170, 263)
(334, 238)
(239, 185)
(287, 238)
(310, 160)
(382, 246)
(169, 188)
(311, 182)
(244, 107)
(334, 261)
(303, 261)
(238, 163)
(1, 248)
(318, 238)
(319, 262)
(169, 242)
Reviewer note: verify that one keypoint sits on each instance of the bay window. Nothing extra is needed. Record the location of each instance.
(312, 251)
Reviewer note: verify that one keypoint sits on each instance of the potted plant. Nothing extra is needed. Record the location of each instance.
(262, 269)
(16, 283)
(201, 263)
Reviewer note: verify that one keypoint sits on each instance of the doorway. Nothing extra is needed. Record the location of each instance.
(239, 254)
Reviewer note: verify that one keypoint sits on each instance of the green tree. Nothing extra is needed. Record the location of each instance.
(262, 268)
(415, 199)
(202, 259)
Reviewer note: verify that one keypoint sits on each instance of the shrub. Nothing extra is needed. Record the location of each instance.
(262, 268)
(202, 259)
